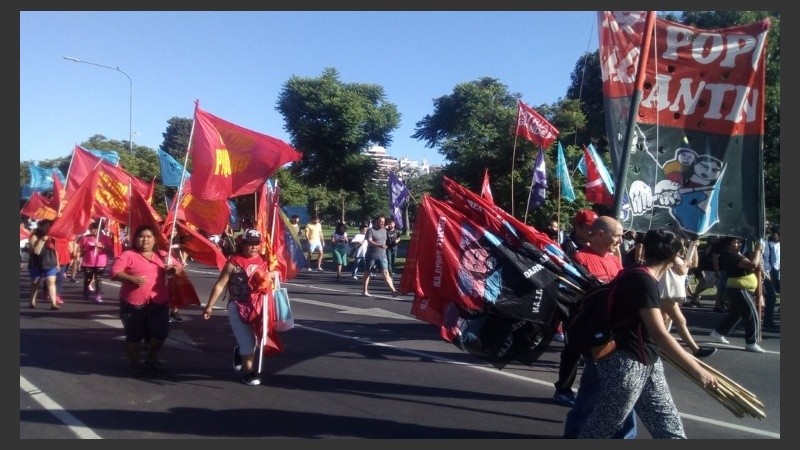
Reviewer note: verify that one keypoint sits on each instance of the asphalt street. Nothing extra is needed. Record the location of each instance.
(353, 367)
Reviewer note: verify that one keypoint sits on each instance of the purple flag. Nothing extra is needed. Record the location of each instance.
(539, 182)
(398, 196)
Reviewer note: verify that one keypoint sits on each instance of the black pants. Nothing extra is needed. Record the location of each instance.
(88, 274)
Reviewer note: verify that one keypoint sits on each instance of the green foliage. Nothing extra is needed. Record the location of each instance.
(331, 123)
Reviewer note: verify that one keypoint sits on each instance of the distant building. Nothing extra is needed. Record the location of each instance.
(403, 167)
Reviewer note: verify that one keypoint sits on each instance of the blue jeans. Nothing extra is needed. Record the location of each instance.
(586, 401)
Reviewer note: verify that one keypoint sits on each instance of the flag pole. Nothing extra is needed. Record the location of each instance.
(530, 191)
(177, 198)
(513, 158)
(622, 170)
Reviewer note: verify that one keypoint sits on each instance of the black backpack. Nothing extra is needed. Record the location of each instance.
(590, 330)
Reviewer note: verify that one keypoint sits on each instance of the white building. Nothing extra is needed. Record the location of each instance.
(403, 167)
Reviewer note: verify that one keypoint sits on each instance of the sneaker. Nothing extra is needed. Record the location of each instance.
(755, 348)
(702, 352)
(309, 269)
(320, 269)
(251, 379)
(558, 337)
(566, 398)
(91, 288)
(237, 359)
(716, 337)
(98, 298)
(175, 316)
(355, 277)
(395, 293)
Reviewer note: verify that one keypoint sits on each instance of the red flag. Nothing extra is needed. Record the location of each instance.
(534, 127)
(229, 160)
(596, 191)
(264, 226)
(210, 216)
(486, 190)
(58, 202)
(141, 213)
(77, 213)
(113, 184)
(198, 246)
(38, 207)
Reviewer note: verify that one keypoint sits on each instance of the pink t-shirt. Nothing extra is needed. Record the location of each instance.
(154, 290)
(90, 257)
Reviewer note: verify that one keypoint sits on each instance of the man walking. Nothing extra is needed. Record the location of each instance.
(376, 255)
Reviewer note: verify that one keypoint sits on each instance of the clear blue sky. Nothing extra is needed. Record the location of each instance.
(235, 64)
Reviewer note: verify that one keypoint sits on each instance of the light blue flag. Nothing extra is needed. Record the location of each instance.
(608, 181)
(171, 170)
(562, 174)
(539, 185)
(582, 165)
(41, 179)
(108, 155)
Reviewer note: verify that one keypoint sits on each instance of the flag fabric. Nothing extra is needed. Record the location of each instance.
(398, 197)
(533, 127)
(234, 217)
(197, 246)
(486, 190)
(582, 165)
(229, 160)
(111, 156)
(41, 179)
(596, 190)
(171, 170)
(57, 202)
(211, 216)
(538, 192)
(699, 131)
(605, 175)
(142, 213)
(562, 174)
(113, 184)
(79, 210)
(38, 207)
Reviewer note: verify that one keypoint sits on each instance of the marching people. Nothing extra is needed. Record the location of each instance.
(376, 255)
(341, 247)
(358, 249)
(632, 377)
(38, 242)
(244, 304)
(316, 242)
(94, 247)
(392, 239)
(772, 277)
(144, 297)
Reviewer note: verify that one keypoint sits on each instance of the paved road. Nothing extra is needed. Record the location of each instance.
(353, 367)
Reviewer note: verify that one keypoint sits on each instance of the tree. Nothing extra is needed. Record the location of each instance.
(176, 138)
(473, 127)
(332, 123)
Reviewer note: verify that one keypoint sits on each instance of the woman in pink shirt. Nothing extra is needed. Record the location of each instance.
(144, 297)
(94, 247)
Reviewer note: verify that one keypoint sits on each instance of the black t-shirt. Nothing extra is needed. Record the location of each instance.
(391, 238)
(729, 262)
(635, 290)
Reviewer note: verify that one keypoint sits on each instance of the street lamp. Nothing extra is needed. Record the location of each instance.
(130, 84)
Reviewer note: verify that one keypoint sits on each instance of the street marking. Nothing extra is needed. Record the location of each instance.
(373, 312)
(75, 425)
(495, 371)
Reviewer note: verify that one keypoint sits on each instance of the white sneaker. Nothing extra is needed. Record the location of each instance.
(755, 348)
(716, 337)
(309, 269)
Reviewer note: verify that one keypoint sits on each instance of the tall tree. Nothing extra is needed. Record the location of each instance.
(332, 123)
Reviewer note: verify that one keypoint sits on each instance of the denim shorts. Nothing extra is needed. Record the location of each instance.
(381, 262)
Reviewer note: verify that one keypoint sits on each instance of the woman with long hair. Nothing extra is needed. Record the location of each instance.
(38, 242)
(632, 377)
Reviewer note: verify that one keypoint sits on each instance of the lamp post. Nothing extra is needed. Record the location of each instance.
(130, 84)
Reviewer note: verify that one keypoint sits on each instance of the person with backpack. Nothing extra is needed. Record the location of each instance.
(631, 378)
(600, 260)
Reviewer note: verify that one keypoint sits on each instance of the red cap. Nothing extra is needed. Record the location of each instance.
(586, 216)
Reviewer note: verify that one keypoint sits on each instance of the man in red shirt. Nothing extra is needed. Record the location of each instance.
(601, 259)
(601, 256)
